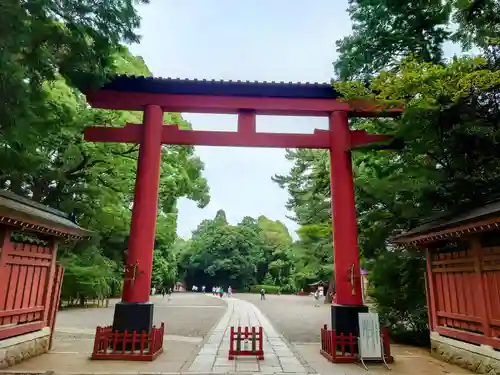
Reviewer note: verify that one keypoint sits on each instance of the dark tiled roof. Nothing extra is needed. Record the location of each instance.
(482, 211)
(47, 219)
(321, 282)
(177, 86)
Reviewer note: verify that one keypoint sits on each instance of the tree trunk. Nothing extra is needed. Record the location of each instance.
(331, 291)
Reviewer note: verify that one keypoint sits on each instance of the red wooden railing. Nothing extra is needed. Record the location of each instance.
(344, 349)
(463, 294)
(29, 287)
(338, 348)
(135, 346)
(255, 338)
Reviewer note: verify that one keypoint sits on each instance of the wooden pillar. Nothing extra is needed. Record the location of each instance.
(143, 226)
(345, 231)
(247, 123)
(430, 291)
(483, 296)
(49, 282)
(54, 303)
(5, 249)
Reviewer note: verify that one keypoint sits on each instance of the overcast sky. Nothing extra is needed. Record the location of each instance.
(267, 40)
(278, 40)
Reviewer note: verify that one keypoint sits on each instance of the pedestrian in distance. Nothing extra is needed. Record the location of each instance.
(262, 294)
(316, 298)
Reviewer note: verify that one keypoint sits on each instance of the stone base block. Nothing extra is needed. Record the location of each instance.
(133, 317)
(478, 358)
(345, 319)
(14, 350)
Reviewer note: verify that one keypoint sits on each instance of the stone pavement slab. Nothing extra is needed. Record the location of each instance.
(408, 361)
(188, 318)
(278, 357)
(175, 356)
(186, 355)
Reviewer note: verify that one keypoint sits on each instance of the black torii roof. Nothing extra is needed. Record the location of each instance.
(178, 86)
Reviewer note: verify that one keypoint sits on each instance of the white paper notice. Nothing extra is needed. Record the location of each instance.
(369, 336)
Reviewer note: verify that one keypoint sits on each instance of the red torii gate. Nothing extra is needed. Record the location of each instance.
(155, 96)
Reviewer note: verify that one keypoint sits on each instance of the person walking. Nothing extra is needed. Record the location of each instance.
(229, 291)
(262, 294)
(316, 298)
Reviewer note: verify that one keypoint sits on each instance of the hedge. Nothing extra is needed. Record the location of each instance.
(269, 289)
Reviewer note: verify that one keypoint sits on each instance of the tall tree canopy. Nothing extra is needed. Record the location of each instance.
(253, 252)
(449, 127)
(47, 46)
(478, 23)
(42, 39)
(386, 31)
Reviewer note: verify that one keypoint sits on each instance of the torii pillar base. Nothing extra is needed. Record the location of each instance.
(136, 316)
(345, 318)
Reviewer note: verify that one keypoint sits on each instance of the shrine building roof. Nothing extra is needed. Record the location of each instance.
(23, 213)
(184, 86)
(478, 218)
(320, 282)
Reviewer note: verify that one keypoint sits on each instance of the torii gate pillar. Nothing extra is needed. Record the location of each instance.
(135, 312)
(349, 299)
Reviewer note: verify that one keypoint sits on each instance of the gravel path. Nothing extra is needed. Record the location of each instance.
(295, 317)
(187, 314)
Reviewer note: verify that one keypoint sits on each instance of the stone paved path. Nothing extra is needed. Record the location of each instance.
(278, 357)
(190, 351)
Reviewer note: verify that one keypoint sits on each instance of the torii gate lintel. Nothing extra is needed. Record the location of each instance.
(245, 136)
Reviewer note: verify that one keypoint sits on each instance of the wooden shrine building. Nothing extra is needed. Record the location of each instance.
(30, 279)
(463, 284)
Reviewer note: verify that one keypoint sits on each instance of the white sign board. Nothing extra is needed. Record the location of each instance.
(370, 345)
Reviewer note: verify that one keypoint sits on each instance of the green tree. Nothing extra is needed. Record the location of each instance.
(95, 181)
(397, 279)
(237, 255)
(308, 185)
(218, 254)
(478, 23)
(450, 159)
(41, 40)
(449, 128)
(164, 269)
(386, 31)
